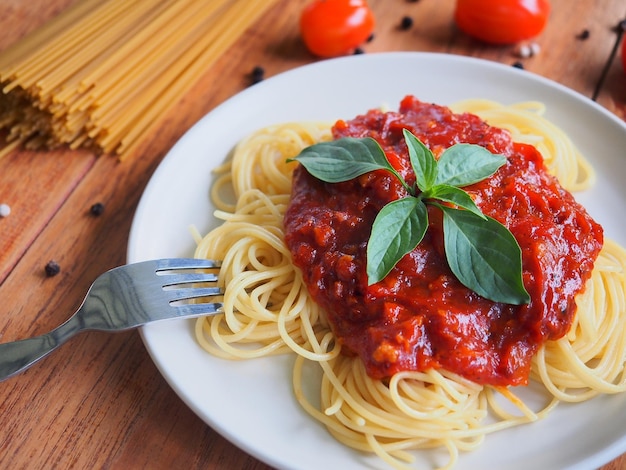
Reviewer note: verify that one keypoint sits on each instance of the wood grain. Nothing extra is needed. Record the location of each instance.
(99, 402)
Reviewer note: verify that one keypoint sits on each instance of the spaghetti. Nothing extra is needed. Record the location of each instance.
(100, 74)
(268, 311)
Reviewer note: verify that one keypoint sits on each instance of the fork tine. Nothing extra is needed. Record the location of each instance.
(172, 279)
(186, 263)
(191, 310)
(193, 293)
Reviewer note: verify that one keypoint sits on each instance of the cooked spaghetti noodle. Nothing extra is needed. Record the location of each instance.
(268, 311)
(100, 74)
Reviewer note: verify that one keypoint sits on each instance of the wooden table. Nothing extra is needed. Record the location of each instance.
(100, 402)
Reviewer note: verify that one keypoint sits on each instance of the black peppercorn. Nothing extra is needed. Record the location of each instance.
(406, 23)
(258, 74)
(518, 65)
(52, 268)
(583, 35)
(97, 209)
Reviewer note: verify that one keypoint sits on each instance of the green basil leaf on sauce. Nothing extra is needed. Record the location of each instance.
(398, 228)
(422, 160)
(344, 159)
(465, 164)
(453, 195)
(484, 256)
(481, 252)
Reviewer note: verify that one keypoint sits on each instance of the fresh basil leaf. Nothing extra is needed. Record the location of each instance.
(481, 252)
(484, 256)
(465, 164)
(453, 195)
(422, 160)
(344, 159)
(397, 230)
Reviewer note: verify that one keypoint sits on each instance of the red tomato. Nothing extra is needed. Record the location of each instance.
(332, 28)
(502, 21)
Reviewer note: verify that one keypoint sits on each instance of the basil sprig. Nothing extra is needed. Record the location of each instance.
(481, 252)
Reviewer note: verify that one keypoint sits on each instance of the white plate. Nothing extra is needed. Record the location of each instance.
(251, 403)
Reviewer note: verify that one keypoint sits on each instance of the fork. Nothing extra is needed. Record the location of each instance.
(122, 298)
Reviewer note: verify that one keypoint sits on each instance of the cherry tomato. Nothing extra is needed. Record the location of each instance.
(502, 21)
(332, 28)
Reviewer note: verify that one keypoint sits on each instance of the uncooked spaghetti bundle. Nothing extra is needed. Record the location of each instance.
(101, 73)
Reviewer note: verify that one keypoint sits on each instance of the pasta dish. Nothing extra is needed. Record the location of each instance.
(269, 305)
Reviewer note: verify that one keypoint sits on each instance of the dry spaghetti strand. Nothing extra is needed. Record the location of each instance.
(101, 74)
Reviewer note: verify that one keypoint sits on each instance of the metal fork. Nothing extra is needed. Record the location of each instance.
(122, 298)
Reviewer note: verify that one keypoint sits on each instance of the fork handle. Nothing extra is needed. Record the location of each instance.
(19, 355)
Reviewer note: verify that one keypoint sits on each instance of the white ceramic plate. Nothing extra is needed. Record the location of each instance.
(251, 403)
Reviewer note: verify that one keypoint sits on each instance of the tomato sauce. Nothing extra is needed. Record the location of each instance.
(420, 316)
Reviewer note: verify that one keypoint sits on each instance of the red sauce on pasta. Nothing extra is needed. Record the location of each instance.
(420, 316)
